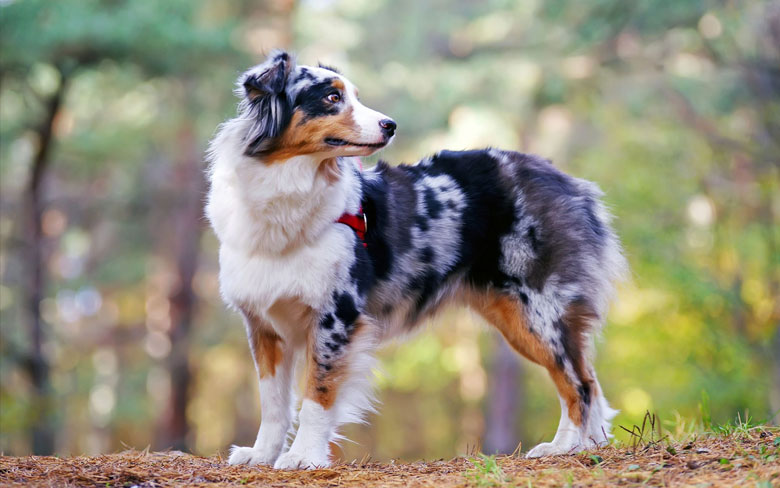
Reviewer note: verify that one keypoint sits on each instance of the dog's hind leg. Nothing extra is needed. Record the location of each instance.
(338, 385)
(563, 351)
(274, 361)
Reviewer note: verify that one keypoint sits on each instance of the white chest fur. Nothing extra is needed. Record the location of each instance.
(275, 224)
(306, 274)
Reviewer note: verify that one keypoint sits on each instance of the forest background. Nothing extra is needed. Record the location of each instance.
(112, 330)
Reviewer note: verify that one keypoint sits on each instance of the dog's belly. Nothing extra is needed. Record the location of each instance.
(397, 312)
(256, 283)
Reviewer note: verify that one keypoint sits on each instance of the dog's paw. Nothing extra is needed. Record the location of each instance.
(552, 449)
(293, 460)
(251, 456)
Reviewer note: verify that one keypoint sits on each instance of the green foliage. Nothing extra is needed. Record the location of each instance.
(161, 37)
(739, 426)
(595, 459)
(485, 471)
(704, 410)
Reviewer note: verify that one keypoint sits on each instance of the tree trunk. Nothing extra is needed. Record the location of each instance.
(187, 220)
(504, 401)
(774, 390)
(42, 430)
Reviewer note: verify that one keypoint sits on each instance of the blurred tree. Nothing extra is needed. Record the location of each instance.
(751, 170)
(504, 400)
(69, 37)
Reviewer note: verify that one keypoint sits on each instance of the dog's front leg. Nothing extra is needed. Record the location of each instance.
(274, 361)
(337, 386)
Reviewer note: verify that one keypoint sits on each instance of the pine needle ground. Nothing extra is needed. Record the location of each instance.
(747, 457)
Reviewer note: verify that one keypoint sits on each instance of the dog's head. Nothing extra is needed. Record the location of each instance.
(297, 110)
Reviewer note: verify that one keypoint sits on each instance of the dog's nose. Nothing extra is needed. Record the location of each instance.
(388, 126)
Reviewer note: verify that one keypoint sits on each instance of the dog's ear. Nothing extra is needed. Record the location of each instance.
(266, 102)
(271, 80)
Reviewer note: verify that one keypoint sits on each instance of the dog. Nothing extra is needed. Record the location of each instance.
(325, 261)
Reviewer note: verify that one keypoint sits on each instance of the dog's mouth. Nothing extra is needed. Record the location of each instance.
(332, 141)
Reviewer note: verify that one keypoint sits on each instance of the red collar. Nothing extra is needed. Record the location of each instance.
(357, 222)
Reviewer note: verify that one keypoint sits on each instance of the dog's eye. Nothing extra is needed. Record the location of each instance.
(334, 97)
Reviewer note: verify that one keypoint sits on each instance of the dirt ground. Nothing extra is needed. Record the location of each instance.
(750, 459)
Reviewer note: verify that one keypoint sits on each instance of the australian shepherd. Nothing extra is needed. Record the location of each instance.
(325, 260)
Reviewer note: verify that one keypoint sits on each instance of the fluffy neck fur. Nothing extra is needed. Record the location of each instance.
(270, 209)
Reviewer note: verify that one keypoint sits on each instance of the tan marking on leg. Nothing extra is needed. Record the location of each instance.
(578, 319)
(506, 314)
(267, 350)
(266, 345)
(323, 385)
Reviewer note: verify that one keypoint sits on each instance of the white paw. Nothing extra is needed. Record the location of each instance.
(293, 460)
(552, 449)
(251, 456)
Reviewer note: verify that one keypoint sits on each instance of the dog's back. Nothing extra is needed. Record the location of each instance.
(482, 220)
